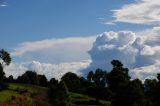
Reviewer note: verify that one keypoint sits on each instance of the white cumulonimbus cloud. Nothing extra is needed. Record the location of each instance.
(140, 12)
(137, 51)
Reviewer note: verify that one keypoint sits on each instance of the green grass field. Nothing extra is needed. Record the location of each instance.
(81, 99)
(24, 94)
(6, 95)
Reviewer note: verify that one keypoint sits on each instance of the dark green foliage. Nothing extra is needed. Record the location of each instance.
(99, 92)
(59, 95)
(3, 86)
(5, 56)
(23, 79)
(5, 59)
(158, 76)
(117, 76)
(33, 77)
(116, 64)
(90, 103)
(42, 80)
(156, 96)
(156, 92)
(2, 74)
(10, 79)
(125, 92)
(53, 81)
(150, 85)
(29, 77)
(90, 76)
(129, 95)
(99, 78)
(72, 81)
(97, 85)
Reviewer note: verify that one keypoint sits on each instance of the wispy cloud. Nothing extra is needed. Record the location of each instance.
(140, 12)
(55, 50)
(110, 23)
(3, 3)
(104, 21)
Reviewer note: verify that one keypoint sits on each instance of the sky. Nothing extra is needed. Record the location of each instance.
(53, 37)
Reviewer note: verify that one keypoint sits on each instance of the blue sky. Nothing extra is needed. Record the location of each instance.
(53, 37)
(31, 20)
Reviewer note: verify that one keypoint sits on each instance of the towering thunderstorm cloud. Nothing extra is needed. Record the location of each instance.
(138, 51)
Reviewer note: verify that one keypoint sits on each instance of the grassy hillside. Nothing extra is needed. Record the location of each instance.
(81, 99)
(22, 94)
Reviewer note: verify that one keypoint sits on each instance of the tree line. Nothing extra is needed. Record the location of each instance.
(115, 86)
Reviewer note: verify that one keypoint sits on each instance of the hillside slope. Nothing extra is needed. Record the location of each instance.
(84, 100)
(22, 94)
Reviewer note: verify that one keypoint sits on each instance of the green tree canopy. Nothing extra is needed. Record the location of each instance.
(72, 81)
(29, 77)
(117, 76)
(43, 80)
(5, 59)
